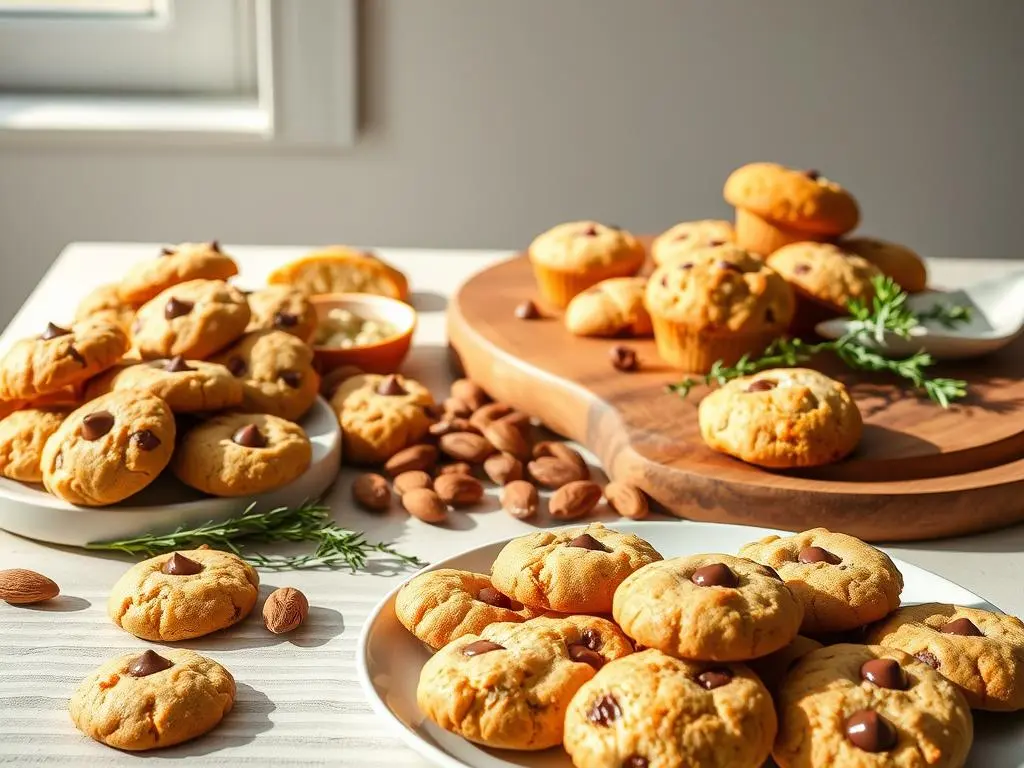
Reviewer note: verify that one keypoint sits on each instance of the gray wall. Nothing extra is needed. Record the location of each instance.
(487, 121)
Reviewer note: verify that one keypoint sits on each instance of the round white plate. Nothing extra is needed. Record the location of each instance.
(28, 510)
(389, 659)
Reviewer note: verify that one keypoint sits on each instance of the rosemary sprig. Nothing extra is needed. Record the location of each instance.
(310, 521)
(887, 313)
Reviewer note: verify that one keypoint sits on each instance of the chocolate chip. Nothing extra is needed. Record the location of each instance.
(871, 732)
(250, 436)
(179, 565)
(761, 385)
(236, 365)
(715, 243)
(586, 541)
(149, 663)
(771, 572)
(623, 358)
(604, 711)
(683, 236)
(962, 627)
(177, 365)
(928, 658)
(146, 440)
(885, 673)
(818, 555)
(176, 308)
(75, 355)
(481, 646)
(527, 310)
(215, 246)
(590, 231)
(664, 281)
(53, 331)
(167, 251)
(491, 596)
(285, 320)
(635, 761)
(729, 266)
(801, 269)
(292, 378)
(714, 575)
(769, 315)
(812, 174)
(390, 386)
(681, 265)
(579, 652)
(715, 677)
(592, 639)
(96, 425)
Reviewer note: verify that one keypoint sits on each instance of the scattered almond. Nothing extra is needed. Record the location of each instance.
(520, 499)
(410, 481)
(459, 490)
(370, 491)
(416, 457)
(20, 586)
(491, 412)
(561, 451)
(628, 500)
(285, 609)
(451, 424)
(550, 472)
(504, 436)
(471, 393)
(574, 500)
(466, 446)
(503, 468)
(456, 468)
(456, 408)
(426, 505)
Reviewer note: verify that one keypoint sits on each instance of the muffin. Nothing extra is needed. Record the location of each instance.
(776, 206)
(718, 304)
(613, 307)
(897, 261)
(825, 278)
(689, 236)
(571, 257)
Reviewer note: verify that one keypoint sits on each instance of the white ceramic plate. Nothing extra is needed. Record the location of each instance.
(389, 659)
(28, 510)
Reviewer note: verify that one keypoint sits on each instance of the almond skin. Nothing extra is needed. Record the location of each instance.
(410, 481)
(471, 393)
(504, 436)
(457, 468)
(488, 414)
(20, 586)
(370, 491)
(550, 472)
(562, 451)
(459, 490)
(450, 424)
(426, 505)
(456, 408)
(520, 499)
(627, 500)
(466, 446)
(285, 609)
(574, 500)
(503, 468)
(416, 457)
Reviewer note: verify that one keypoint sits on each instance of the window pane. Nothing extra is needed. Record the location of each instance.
(79, 7)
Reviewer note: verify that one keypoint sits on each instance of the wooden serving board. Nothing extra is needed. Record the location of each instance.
(920, 472)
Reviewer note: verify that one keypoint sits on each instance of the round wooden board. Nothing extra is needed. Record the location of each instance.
(920, 472)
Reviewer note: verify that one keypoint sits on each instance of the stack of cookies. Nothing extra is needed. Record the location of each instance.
(795, 649)
(171, 367)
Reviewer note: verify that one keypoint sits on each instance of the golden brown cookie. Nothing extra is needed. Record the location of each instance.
(689, 236)
(381, 415)
(22, 437)
(570, 570)
(105, 303)
(649, 710)
(613, 307)
(282, 308)
(242, 454)
(897, 261)
(173, 265)
(780, 418)
(109, 449)
(982, 652)
(843, 582)
(152, 699)
(187, 386)
(341, 269)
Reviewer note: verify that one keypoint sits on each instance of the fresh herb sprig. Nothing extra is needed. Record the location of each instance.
(886, 313)
(309, 522)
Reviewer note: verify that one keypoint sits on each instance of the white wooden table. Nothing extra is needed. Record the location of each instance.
(298, 699)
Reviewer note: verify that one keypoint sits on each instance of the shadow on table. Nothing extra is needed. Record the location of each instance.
(428, 301)
(59, 604)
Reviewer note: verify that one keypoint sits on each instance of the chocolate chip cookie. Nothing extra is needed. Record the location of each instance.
(276, 372)
(184, 594)
(173, 265)
(59, 357)
(708, 607)
(842, 582)
(187, 386)
(282, 308)
(649, 710)
(152, 699)
(109, 449)
(982, 652)
(22, 437)
(381, 415)
(570, 571)
(509, 687)
(865, 705)
(242, 454)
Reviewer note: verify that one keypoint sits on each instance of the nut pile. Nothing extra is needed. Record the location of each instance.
(476, 439)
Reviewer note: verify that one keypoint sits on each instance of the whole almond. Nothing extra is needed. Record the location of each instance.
(285, 609)
(561, 451)
(456, 408)
(456, 468)
(426, 505)
(574, 500)
(628, 500)
(450, 424)
(491, 412)
(520, 499)
(20, 586)
(469, 392)
(550, 472)
(415, 457)
(520, 421)
(504, 436)
(459, 490)
(466, 446)
(370, 491)
(503, 468)
(410, 481)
